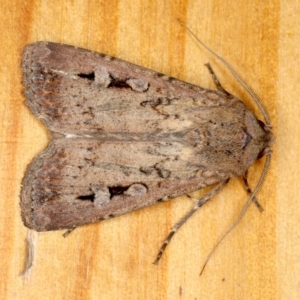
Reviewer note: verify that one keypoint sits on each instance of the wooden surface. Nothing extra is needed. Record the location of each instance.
(113, 259)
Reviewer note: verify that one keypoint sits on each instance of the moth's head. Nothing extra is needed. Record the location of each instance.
(262, 138)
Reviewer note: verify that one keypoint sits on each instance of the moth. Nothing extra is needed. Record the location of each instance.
(125, 137)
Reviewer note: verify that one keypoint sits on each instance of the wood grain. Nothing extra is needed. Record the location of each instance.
(113, 259)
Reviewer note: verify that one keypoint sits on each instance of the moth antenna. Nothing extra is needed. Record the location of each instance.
(237, 77)
(216, 80)
(200, 203)
(243, 211)
(267, 152)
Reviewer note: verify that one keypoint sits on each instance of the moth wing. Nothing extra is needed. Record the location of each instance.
(76, 91)
(79, 181)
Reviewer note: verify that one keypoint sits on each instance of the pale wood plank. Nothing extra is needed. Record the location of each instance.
(113, 260)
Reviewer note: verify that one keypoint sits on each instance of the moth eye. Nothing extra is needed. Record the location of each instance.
(261, 124)
(261, 154)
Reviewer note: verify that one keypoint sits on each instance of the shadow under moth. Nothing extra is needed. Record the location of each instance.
(125, 137)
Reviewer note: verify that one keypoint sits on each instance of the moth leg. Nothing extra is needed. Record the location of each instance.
(248, 189)
(216, 80)
(68, 232)
(199, 203)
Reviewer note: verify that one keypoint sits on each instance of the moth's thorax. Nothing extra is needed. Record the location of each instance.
(230, 139)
